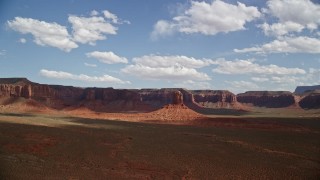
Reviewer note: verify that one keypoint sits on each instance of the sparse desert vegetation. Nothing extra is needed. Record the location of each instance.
(55, 146)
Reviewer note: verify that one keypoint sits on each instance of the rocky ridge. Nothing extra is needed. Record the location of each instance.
(147, 100)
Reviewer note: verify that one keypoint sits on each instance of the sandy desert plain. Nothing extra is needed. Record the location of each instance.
(264, 143)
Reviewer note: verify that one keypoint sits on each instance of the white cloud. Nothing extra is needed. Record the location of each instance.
(3, 52)
(169, 61)
(81, 77)
(44, 33)
(301, 44)
(162, 28)
(172, 73)
(292, 16)
(259, 79)
(189, 84)
(279, 29)
(171, 68)
(208, 19)
(303, 12)
(107, 57)
(85, 30)
(90, 29)
(284, 79)
(111, 16)
(249, 67)
(90, 65)
(94, 13)
(243, 86)
(114, 18)
(312, 77)
(22, 40)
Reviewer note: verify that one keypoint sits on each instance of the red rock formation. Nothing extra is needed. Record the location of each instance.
(26, 91)
(214, 98)
(177, 98)
(310, 100)
(119, 100)
(157, 98)
(269, 99)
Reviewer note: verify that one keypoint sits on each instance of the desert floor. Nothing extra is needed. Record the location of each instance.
(40, 146)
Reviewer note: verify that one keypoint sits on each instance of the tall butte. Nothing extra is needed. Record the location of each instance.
(177, 98)
(176, 111)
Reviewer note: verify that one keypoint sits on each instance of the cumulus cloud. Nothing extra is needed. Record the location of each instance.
(94, 13)
(90, 65)
(111, 16)
(249, 67)
(289, 21)
(172, 73)
(81, 77)
(292, 16)
(243, 85)
(22, 40)
(107, 57)
(171, 68)
(208, 19)
(311, 78)
(44, 33)
(259, 79)
(280, 29)
(90, 29)
(85, 30)
(114, 18)
(301, 44)
(168, 61)
(305, 13)
(189, 84)
(284, 79)
(163, 28)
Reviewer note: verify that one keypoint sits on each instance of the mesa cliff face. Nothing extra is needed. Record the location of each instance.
(214, 98)
(15, 90)
(310, 100)
(269, 99)
(144, 100)
(302, 89)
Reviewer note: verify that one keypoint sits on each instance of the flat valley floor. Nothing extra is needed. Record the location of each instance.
(38, 146)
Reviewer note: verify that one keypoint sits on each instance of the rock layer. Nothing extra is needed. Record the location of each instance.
(269, 99)
(310, 100)
(214, 98)
(146, 100)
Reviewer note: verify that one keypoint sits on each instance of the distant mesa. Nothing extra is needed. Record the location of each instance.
(17, 81)
(303, 89)
(109, 100)
(269, 99)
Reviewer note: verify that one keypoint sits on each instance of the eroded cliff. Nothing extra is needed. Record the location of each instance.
(145, 100)
(269, 99)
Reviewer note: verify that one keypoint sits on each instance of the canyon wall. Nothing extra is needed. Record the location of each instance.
(302, 89)
(118, 100)
(214, 98)
(310, 100)
(269, 99)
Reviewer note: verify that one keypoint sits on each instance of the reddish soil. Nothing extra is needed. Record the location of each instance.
(36, 144)
(169, 113)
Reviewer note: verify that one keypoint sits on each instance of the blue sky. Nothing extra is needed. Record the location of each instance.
(215, 44)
